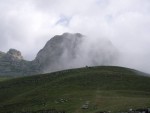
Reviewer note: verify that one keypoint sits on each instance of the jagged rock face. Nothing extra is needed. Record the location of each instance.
(57, 51)
(13, 54)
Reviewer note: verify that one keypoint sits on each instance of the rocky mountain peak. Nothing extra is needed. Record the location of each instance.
(70, 35)
(64, 51)
(15, 54)
(57, 49)
(74, 50)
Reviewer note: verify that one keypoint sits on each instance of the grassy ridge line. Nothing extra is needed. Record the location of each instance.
(111, 68)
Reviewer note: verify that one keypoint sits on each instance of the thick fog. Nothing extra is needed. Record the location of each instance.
(27, 25)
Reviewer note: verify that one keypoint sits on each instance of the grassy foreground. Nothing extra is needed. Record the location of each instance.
(104, 88)
(3, 78)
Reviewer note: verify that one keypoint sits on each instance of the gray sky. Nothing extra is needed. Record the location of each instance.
(27, 25)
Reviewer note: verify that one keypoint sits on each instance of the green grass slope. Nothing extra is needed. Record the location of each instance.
(3, 78)
(101, 88)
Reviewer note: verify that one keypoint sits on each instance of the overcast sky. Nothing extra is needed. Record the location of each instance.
(27, 25)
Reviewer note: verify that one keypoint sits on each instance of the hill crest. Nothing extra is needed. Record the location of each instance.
(104, 88)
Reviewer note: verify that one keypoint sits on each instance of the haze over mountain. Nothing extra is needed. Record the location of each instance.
(72, 51)
(27, 25)
(60, 52)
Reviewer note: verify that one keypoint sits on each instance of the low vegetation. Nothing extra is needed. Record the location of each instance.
(3, 78)
(84, 90)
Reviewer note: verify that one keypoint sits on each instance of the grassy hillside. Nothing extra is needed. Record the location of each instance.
(3, 78)
(98, 88)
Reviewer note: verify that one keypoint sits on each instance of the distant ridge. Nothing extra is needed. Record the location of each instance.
(60, 52)
(12, 63)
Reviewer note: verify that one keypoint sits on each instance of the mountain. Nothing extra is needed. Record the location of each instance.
(61, 52)
(58, 52)
(12, 63)
(82, 90)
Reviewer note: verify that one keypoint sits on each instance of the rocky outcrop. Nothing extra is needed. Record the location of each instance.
(12, 63)
(14, 54)
(58, 52)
